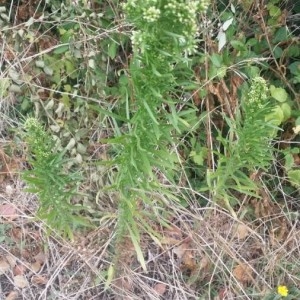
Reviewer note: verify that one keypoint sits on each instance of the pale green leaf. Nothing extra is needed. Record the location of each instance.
(221, 37)
(110, 276)
(275, 117)
(112, 50)
(138, 250)
(279, 94)
(15, 89)
(29, 22)
(61, 49)
(289, 161)
(294, 178)
(286, 109)
(48, 71)
(40, 63)
(227, 23)
(150, 113)
(4, 84)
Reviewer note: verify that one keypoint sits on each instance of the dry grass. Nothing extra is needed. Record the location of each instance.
(203, 253)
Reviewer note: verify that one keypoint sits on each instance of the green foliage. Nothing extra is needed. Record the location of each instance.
(164, 28)
(246, 138)
(47, 179)
(282, 110)
(190, 105)
(165, 32)
(140, 94)
(249, 148)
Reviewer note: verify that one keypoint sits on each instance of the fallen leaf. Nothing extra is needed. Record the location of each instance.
(4, 266)
(36, 266)
(224, 294)
(9, 190)
(204, 263)
(188, 261)
(160, 288)
(17, 234)
(12, 260)
(19, 270)
(13, 295)
(296, 159)
(172, 236)
(124, 283)
(39, 279)
(166, 240)
(243, 273)
(40, 257)
(8, 211)
(20, 281)
(26, 253)
(181, 249)
(186, 255)
(241, 231)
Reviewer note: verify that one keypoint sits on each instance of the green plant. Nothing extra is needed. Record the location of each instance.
(247, 146)
(54, 187)
(164, 34)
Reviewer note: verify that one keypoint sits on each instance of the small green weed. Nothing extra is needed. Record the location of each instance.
(247, 147)
(54, 187)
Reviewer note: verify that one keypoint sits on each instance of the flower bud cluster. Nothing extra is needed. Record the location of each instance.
(151, 14)
(39, 142)
(257, 97)
(203, 5)
(258, 93)
(172, 22)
